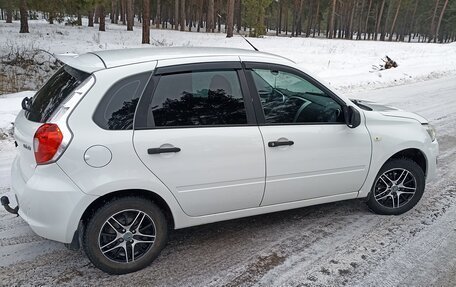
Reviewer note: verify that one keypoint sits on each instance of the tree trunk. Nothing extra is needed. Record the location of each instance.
(366, 27)
(230, 19)
(9, 12)
(79, 19)
(101, 12)
(51, 18)
(130, 15)
(182, 15)
(189, 15)
(279, 18)
(210, 16)
(97, 15)
(331, 22)
(317, 20)
(199, 15)
(90, 17)
(24, 17)
(440, 21)
(358, 34)
(123, 8)
(412, 23)
(113, 11)
(394, 21)
(350, 24)
(176, 15)
(432, 31)
(158, 15)
(379, 20)
(146, 22)
(309, 21)
(286, 18)
(238, 15)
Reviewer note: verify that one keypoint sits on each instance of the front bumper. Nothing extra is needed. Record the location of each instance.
(432, 154)
(49, 201)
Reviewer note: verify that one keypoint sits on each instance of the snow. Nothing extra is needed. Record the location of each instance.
(347, 65)
(329, 245)
(10, 105)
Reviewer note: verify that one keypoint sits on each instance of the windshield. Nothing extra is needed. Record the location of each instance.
(53, 93)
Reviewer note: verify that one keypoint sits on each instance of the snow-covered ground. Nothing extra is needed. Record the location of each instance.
(345, 64)
(329, 245)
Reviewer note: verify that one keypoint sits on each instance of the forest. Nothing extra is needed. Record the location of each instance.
(381, 20)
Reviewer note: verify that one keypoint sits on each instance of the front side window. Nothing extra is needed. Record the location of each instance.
(287, 98)
(207, 98)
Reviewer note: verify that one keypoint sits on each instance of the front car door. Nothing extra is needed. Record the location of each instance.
(195, 130)
(310, 151)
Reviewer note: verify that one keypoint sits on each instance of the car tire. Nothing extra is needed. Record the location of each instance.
(398, 187)
(125, 235)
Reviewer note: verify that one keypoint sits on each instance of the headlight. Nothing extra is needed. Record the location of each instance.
(431, 131)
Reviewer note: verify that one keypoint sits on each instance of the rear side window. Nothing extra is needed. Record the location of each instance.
(198, 99)
(116, 110)
(53, 93)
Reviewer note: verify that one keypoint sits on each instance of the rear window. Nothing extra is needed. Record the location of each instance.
(54, 92)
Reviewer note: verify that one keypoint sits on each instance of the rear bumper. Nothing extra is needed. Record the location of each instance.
(49, 201)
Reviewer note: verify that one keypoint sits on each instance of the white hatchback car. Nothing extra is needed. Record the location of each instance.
(120, 146)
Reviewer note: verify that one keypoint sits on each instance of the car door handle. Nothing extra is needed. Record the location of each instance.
(281, 143)
(158, 150)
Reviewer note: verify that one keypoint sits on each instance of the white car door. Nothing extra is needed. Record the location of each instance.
(310, 151)
(197, 134)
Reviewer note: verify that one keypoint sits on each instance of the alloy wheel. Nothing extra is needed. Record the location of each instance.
(395, 188)
(126, 236)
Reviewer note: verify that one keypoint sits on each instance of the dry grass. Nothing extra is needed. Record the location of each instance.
(24, 68)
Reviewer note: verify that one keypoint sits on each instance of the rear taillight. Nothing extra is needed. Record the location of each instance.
(46, 142)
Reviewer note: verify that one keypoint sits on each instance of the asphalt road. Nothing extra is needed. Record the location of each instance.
(328, 245)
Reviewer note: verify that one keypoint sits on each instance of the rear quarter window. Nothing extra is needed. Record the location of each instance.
(116, 110)
(53, 93)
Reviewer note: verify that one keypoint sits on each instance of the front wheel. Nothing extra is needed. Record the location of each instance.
(397, 188)
(125, 235)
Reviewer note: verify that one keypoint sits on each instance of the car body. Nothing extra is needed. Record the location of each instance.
(249, 133)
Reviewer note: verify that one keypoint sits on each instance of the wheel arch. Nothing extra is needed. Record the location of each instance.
(146, 194)
(414, 154)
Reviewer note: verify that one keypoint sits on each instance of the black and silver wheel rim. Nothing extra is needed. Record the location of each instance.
(395, 188)
(126, 236)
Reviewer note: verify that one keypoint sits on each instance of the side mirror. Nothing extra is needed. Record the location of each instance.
(352, 117)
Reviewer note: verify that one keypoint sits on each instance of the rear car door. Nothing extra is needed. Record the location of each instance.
(195, 130)
(310, 151)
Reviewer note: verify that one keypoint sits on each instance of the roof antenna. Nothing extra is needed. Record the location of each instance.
(247, 41)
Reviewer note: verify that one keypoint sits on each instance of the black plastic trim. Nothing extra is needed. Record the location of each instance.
(279, 143)
(230, 65)
(159, 150)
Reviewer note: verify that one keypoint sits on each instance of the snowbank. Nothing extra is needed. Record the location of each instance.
(10, 105)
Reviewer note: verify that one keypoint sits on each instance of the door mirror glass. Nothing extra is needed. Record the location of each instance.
(352, 117)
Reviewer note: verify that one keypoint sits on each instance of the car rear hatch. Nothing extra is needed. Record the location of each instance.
(40, 109)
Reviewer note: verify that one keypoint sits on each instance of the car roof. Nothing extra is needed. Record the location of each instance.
(98, 60)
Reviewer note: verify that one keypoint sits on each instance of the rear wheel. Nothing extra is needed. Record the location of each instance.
(397, 188)
(125, 235)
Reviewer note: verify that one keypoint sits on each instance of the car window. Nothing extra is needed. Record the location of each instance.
(204, 98)
(117, 108)
(288, 98)
(53, 93)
